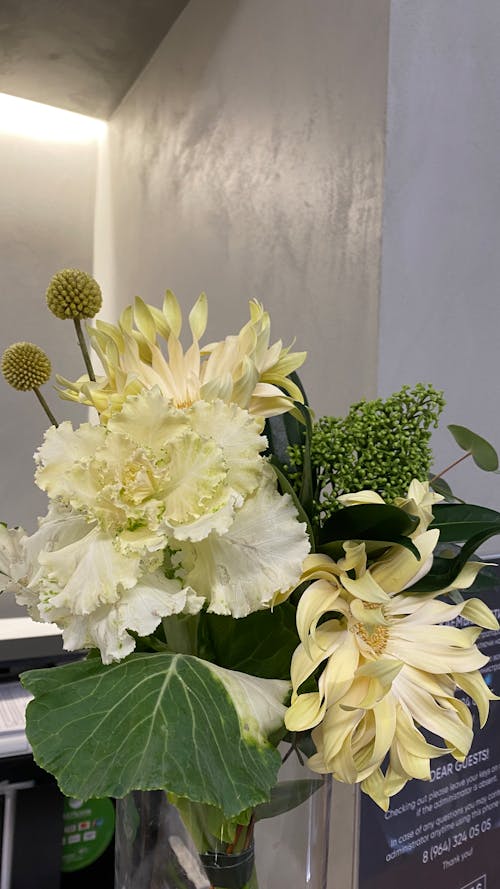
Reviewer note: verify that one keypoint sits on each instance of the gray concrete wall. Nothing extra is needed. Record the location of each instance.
(247, 162)
(439, 302)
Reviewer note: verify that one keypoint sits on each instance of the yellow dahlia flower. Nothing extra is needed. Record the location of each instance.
(390, 666)
(243, 369)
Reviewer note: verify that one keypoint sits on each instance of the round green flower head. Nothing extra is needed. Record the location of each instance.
(25, 366)
(73, 294)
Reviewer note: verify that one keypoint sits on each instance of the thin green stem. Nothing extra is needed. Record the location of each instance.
(84, 349)
(45, 406)
(455, 463)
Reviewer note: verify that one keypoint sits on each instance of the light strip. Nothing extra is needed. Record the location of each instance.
(25, 628)
(22, 117)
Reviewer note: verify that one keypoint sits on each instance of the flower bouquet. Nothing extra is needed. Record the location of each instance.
(243, 587)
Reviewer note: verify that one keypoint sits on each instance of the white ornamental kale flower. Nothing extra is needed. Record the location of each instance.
(162, 511)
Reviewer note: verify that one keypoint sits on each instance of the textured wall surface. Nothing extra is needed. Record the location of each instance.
(440, 309)
(47, 198)
(247, 161)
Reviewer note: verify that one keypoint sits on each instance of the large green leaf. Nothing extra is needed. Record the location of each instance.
(371, 522)
(458, 522)
(156, 721)
(261, 644)
(483, 453)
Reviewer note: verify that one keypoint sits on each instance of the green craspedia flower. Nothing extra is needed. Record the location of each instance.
(73, 294)
(25, 366)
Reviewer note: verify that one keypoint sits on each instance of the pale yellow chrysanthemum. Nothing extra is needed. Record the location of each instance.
(390, 666)
(242, 369)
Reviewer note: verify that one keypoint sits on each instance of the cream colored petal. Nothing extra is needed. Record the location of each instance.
(144, 320)
(474, 685)
(371, 616)
(196, 484)
(441, 719)
(261, 554)
(375, 787)
(306, 712)
(238, 435)
(317, 600)
(436, 651)
(304, 663)
(396, 570)
(365, 588)
(320, 565)
(415, 610)
(89, 572)
(218, 388)
(409, 765)
(384, 713)
(384, 670)
(360, 497)
(340, 669)
(198, 317)
(172, 313)
(465, 578)
(334, 731)
(478, 613)
(245, 383)
(149, 420)
(355, 557)
(412, 739)
(394, 781)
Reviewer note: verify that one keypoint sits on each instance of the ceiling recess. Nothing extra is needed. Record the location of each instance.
(82, 55)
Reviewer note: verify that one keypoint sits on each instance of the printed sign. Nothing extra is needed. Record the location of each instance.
(88, 829)
(444, 833)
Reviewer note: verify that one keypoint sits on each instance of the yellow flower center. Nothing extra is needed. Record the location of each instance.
(375, 637)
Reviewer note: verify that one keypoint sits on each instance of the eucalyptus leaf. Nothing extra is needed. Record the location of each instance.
(458, 522)
(287, 795)
(483, 453)
(156, 721)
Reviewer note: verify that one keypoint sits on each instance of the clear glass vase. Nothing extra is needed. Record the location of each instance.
(159, 845)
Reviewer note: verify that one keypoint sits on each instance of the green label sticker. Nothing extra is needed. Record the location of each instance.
(88, 829)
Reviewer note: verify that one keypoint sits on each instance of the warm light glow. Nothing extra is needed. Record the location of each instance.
(24, 118)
